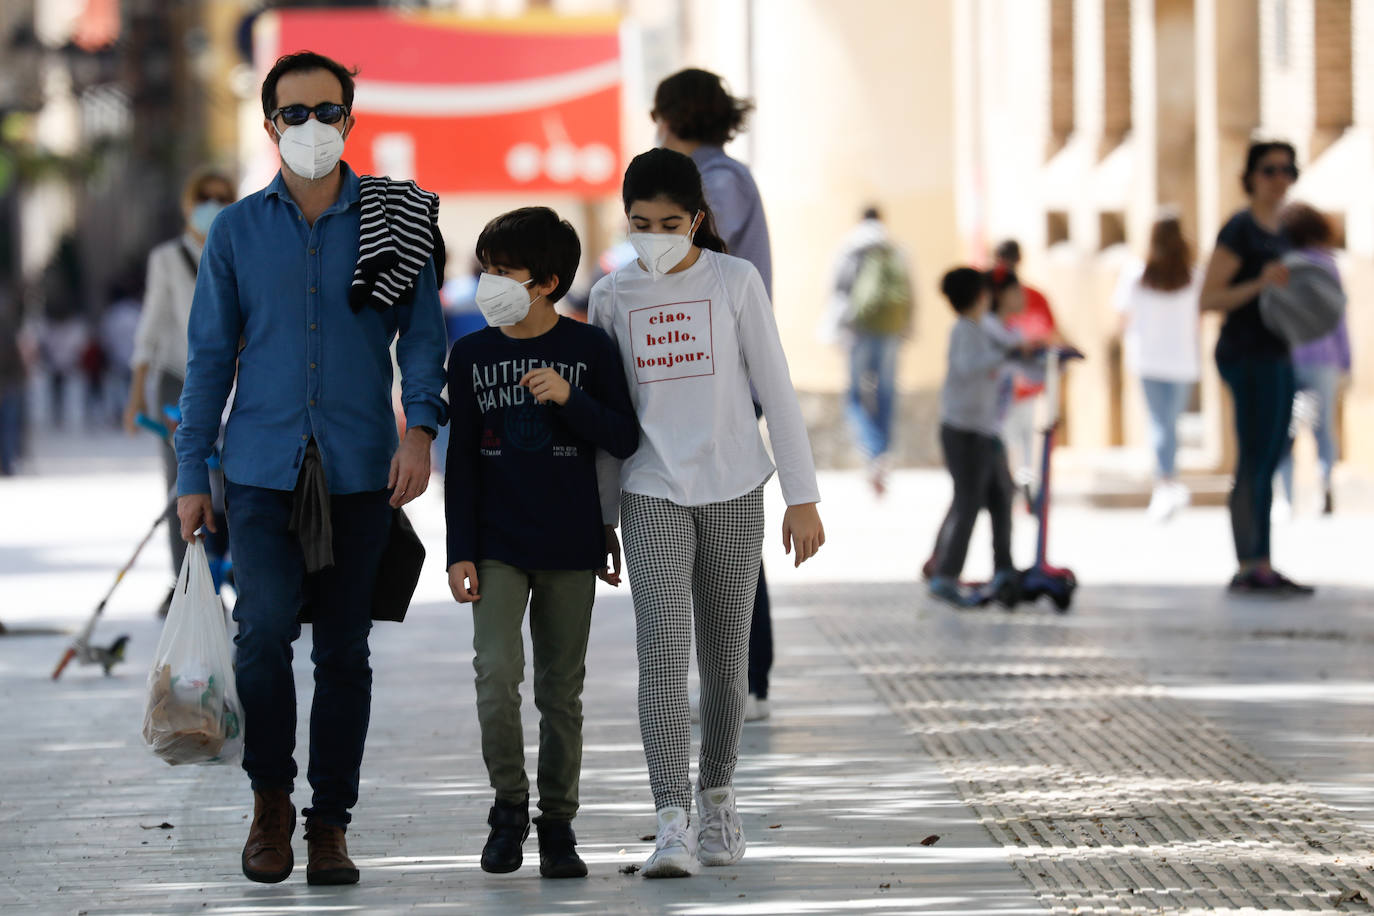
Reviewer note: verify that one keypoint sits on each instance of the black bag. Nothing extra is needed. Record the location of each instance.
(399, 572)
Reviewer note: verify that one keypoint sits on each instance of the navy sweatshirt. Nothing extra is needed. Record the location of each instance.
(520, 484)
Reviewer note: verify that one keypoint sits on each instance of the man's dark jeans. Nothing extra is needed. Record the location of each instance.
(272, 585)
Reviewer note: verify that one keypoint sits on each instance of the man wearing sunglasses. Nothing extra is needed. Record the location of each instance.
(311, 454)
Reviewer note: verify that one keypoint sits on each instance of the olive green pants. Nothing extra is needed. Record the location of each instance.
(560, 604)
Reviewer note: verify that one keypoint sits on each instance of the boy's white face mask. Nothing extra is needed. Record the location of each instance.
(502, 300)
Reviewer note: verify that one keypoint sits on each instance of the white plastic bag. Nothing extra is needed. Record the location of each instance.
(193, 713)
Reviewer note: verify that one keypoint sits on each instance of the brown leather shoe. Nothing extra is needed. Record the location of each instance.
(267, 854)
(328, 861)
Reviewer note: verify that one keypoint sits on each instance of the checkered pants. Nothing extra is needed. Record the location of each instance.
(680, 558)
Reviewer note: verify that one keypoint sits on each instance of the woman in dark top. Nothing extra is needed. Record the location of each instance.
(1253, 361)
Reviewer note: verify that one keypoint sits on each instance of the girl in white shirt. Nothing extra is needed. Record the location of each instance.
(1158, 305)
(695, 328)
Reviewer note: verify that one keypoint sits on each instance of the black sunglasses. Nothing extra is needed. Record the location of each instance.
(325, 113)
(1273, 171)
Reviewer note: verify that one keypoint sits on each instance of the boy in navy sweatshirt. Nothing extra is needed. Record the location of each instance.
(532, 398)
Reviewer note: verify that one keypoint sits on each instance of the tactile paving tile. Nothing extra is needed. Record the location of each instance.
(1110, 797)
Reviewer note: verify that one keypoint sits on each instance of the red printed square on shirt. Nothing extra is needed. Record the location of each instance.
(672, 341)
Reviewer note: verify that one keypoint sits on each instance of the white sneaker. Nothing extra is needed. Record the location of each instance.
(1280, 510)
(720, 837)
(1163, 502)
(675, 852)
(1182, 495)
(755, 709)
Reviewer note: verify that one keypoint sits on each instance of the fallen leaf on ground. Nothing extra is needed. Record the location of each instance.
(1351, 896)
(774, 826)
(884, 886)
(163, 826)
(931, 840)
(648, 838)
(628, 869)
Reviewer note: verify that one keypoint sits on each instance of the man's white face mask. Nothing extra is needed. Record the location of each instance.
(312, 149)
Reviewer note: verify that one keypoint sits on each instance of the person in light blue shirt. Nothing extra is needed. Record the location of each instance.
(695, 115)
(311, 455)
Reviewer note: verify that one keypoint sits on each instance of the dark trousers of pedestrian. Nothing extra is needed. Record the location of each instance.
(761, 640)
(973, 460)
(272, 587)
(168, 391)
(1262, 394)
(11, 427)
(999, 493)
(560, 606)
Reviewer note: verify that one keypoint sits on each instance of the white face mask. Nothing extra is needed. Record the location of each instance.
(660, 252)
(503, 301)
(312, 149)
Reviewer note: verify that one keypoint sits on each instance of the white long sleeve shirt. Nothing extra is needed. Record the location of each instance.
(691, 344)
(160, 341)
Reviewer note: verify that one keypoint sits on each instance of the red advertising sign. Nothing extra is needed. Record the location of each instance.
(461, 105)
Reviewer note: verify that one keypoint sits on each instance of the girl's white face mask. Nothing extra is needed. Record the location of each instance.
(502, 300)
(312, 149)
(660, 252)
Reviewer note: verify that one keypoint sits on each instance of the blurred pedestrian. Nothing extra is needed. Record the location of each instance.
(872, 300)
(1035, 323)
(1005, 302)
(62, 342)
(1157, 302)
(1254, 362)
(13, 389)
(1322, 367)
(696, 115)
(158, 360)
(118, 327)
(291, 295)
(691, 497)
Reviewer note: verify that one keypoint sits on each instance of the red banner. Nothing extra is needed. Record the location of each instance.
(503, 105)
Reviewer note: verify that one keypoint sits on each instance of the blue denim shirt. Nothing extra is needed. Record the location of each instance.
(309, 365)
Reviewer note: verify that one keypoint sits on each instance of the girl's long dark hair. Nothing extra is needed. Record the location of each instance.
(663, 173)
(1170, 264)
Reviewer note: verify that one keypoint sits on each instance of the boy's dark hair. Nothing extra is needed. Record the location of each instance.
(962, 286)
(305, 60)
(696, 106)
(1256, 153)
(672, 176)
(1305, 226)
(533, 239)
(872, 212)
(1008, 250)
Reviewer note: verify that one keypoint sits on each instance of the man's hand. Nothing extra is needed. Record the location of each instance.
(462, 581)
(547, 385)
(409, 468)
(801, 526)
(610, 574)
(195, 510)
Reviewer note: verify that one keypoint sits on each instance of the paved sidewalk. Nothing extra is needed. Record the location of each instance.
(1160, 749)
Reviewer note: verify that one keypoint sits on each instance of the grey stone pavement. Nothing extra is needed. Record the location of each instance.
(1159, 749)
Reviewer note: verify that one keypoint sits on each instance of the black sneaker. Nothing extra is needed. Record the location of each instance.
(558, 856)
(1328, 505)
(510, 824)
(1289, 587)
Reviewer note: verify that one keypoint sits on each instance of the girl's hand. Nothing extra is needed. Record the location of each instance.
(610, 574)
(462, 581)
(801, 525)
